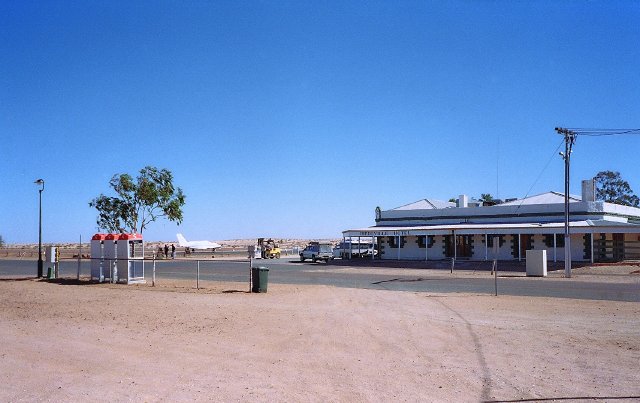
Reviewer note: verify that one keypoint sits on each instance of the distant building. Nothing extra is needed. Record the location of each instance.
(432, 229)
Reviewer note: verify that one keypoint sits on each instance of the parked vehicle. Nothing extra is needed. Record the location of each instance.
(268, 249)
(317, 251)
(353, 248)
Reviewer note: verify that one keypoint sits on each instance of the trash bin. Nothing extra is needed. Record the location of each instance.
(260, 279)
(51, 274)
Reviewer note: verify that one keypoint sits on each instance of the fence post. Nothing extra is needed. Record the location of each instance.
(153, 278)
(79, 256)
(496, 245)
(495, 275)
(198, 276)
(250, 272)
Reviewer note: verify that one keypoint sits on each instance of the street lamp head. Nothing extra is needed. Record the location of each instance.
(40, 182)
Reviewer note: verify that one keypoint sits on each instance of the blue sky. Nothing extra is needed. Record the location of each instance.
(297, 119)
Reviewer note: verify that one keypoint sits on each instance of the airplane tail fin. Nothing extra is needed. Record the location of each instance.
(181, 240)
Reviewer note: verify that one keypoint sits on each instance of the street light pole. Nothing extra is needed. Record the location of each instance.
(40, 263)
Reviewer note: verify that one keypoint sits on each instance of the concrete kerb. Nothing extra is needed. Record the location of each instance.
(512, 269)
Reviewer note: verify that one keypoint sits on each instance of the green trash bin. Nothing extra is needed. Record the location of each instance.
(260, 279)
(51, 274)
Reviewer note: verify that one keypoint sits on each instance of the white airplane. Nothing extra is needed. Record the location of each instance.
(196, 244)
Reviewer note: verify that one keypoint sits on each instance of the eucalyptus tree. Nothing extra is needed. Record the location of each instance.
(610, 187)
(152, 195)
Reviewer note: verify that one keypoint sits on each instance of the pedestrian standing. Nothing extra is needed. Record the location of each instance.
(166, 251)
(173, 251)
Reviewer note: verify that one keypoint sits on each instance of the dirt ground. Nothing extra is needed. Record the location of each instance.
(69, 341)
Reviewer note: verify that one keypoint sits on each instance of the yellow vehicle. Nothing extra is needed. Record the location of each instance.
(268, 249)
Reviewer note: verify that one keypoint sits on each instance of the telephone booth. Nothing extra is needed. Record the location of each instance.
(109, 257)
(130, 255)
(99, 269)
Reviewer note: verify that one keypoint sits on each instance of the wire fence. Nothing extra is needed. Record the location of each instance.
(190, 272)
(157, 271)
(198, 272)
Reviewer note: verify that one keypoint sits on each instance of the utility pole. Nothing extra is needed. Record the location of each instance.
(569, 140)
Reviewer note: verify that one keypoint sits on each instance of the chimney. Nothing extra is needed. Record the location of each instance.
(463, 201)
(588, 190)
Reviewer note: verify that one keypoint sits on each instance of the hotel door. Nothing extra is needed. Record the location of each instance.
(462, 244)
(618, 246)
(525, 243)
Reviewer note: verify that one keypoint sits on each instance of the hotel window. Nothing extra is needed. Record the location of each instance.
(426, 240)
(548, 240)
(490, 240)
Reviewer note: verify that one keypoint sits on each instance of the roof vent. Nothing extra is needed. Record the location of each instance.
(588, 190)
(463, 201)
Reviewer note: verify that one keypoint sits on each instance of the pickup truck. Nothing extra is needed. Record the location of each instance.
(317, 251)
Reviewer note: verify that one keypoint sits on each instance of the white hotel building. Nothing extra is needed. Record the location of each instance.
(434, 230)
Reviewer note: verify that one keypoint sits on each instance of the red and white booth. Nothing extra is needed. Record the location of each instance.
(117, 258)
(99, 270)
(130, 257)
(110, 257)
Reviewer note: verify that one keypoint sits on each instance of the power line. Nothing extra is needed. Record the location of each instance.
(601, 132)
(591, 129)
(540, 174)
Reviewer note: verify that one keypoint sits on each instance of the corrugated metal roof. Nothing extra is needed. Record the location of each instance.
(543, 198)
(426, 204)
